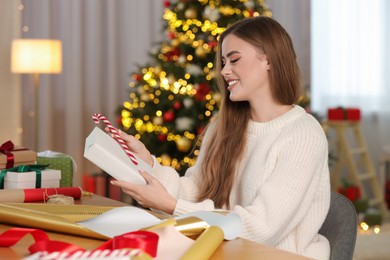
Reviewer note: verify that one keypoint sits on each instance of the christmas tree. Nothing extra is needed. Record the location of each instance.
(174, 96)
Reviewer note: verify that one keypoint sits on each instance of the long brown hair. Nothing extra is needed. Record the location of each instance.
(227, 143)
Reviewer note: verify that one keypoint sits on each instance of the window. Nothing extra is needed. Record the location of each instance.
(348, 40)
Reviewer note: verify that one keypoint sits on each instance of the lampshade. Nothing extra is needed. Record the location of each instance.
(36, 56)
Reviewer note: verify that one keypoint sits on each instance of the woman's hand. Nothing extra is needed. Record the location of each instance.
(152, 195)
(136, 146)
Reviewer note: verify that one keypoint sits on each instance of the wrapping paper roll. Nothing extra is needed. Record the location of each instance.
(18, 216)
(34, 195)
(205, 245)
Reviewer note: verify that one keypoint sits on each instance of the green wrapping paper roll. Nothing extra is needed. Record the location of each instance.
(205, 245)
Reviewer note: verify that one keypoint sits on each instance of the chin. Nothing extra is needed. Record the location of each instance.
(234, 98)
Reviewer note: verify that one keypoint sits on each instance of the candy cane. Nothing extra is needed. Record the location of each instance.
(116, 135)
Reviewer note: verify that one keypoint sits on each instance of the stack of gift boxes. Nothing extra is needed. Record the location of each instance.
(22, 168)
(341, 113)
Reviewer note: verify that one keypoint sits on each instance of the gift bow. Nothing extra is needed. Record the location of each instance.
(143, 240)
(37, 168)
(6, 149)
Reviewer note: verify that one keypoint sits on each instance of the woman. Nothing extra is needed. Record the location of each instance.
(262, 157)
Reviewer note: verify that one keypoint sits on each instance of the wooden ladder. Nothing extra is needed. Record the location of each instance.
(352, 152)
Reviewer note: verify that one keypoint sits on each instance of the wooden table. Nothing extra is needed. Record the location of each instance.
(234, 249)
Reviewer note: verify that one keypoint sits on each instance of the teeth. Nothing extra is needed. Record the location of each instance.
(232, 82)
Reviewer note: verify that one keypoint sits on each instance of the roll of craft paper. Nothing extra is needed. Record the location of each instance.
(18, 216)
(41, 194)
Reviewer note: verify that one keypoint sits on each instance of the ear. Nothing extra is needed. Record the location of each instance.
(264, 58)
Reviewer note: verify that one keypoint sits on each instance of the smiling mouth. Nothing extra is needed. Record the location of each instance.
(231, 83)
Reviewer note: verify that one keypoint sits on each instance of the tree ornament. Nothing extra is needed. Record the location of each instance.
(211, 13)
(200, 52)
(188, 102)
(165, 159)
(182, 59)
(158, 120)
(141, 90)
(145, 97)
(194, 70)
(191, 13)
(175, 42)
(162, 138)
(157, 70)
(177, 105)
(137, 77)
(171, 79)
(171, 35)
(183, 144)
(184, 123)
(169, 116)
(212, 44)
(249, 4)
(202, 90)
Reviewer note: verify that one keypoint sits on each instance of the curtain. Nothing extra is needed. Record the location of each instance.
(102, 43)
(348, 41)
(294, 16)
(10, 90)
(350, 63)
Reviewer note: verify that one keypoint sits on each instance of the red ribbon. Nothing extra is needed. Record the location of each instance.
(6, 149)
(143, 240)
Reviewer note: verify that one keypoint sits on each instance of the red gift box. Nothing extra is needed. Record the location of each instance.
(339, 113)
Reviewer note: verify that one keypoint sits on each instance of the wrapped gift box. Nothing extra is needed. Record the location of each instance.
(27, 180)
(18, 156)
(106, 153)
(59, 161)
(339, 113)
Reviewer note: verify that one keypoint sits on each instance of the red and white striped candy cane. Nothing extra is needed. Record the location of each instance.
(116, 135)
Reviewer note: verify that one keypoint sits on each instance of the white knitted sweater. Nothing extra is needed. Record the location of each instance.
(281, 190)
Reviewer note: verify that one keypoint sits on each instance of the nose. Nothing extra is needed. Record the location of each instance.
(226, 70)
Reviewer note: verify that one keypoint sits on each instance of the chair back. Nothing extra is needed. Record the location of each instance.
(340, 227)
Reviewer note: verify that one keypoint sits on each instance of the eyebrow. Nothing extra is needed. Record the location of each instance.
(231, 53)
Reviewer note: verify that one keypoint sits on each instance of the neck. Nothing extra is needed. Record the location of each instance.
(267, 112)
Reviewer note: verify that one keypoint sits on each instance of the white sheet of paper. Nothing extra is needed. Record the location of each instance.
(120, 220)
(125, 219)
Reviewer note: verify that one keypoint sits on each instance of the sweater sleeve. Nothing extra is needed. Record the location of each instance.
(185, 188)
(289, 191)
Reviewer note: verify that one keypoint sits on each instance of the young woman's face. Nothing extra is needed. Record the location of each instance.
(245, 69)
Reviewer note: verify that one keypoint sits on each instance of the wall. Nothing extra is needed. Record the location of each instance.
(10, 87)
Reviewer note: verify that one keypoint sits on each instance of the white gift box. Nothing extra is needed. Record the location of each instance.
(26, 180)
(106, 153)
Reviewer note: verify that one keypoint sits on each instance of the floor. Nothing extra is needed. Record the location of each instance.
(371, 246)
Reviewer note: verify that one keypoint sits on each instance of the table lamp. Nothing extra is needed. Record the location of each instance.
(36, 56)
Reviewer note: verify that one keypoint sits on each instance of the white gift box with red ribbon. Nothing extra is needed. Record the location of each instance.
(106, 153)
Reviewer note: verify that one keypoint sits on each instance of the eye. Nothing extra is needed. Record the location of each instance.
(234, 61)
